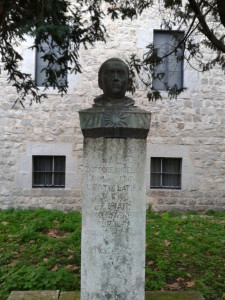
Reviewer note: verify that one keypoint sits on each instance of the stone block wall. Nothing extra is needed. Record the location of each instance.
(191, 127)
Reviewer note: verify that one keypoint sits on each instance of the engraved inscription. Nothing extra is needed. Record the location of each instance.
(109, 183)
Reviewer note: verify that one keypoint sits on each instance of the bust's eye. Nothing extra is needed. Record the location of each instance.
(109, 72)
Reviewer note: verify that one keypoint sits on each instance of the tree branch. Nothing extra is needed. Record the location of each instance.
(205, 28)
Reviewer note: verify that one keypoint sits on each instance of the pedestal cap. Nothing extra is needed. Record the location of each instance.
(115, 122)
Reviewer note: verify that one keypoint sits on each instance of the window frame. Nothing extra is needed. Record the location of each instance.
(161, 173)
(169, 32)
(52, 172)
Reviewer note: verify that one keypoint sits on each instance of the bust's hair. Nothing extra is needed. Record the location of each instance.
(101, 69)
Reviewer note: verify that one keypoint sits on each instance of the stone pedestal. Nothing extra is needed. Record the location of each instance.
(114, 205)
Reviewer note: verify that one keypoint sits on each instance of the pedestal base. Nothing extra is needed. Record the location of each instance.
(113, 219)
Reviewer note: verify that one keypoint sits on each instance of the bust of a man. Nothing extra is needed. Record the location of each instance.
(113, 78)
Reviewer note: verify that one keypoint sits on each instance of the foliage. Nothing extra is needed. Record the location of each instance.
(40, 250)
(71, 26)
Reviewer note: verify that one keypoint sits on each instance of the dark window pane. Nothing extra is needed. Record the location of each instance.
(171, 181)
(171, 165)
(48, 163)
(60, 179)
(42, 163)
(59, 163)
(155, 180)
(155, 164)
(49, 179)
(39, 179)
(35, 164)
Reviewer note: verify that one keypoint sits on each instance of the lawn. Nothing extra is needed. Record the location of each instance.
(40, 249)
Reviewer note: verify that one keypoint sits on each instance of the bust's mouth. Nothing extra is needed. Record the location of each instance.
(116, 87)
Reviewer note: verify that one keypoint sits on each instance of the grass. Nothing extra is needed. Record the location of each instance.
(41, 250)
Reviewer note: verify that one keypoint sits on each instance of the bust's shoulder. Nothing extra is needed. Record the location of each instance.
(98, 101)
(129, 101)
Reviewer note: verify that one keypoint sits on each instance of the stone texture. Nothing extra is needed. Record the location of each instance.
(113, 219)
(34, 295)
(55, 121)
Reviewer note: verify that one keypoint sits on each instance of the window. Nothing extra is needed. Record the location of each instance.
(166, 173)
(41, 64)
(49, 171)
(171, 67)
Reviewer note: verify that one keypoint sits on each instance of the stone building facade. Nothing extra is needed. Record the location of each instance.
(190, 128)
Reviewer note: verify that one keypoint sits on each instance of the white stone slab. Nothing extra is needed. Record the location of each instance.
(113, 228)
(34, 295)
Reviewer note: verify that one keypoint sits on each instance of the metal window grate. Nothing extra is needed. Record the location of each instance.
(166, 173)
(49, 171)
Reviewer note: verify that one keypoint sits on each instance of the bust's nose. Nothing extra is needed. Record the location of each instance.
(115, 76)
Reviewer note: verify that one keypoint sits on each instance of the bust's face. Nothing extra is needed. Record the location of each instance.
(114, 79)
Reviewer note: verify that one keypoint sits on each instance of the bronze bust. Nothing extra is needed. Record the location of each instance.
(114, 115)
(113, 79)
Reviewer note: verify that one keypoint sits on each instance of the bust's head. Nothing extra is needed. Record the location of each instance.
(113, 78)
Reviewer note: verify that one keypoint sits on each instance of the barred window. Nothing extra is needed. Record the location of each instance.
(49, 171)
(166, 173)
(171, 66)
